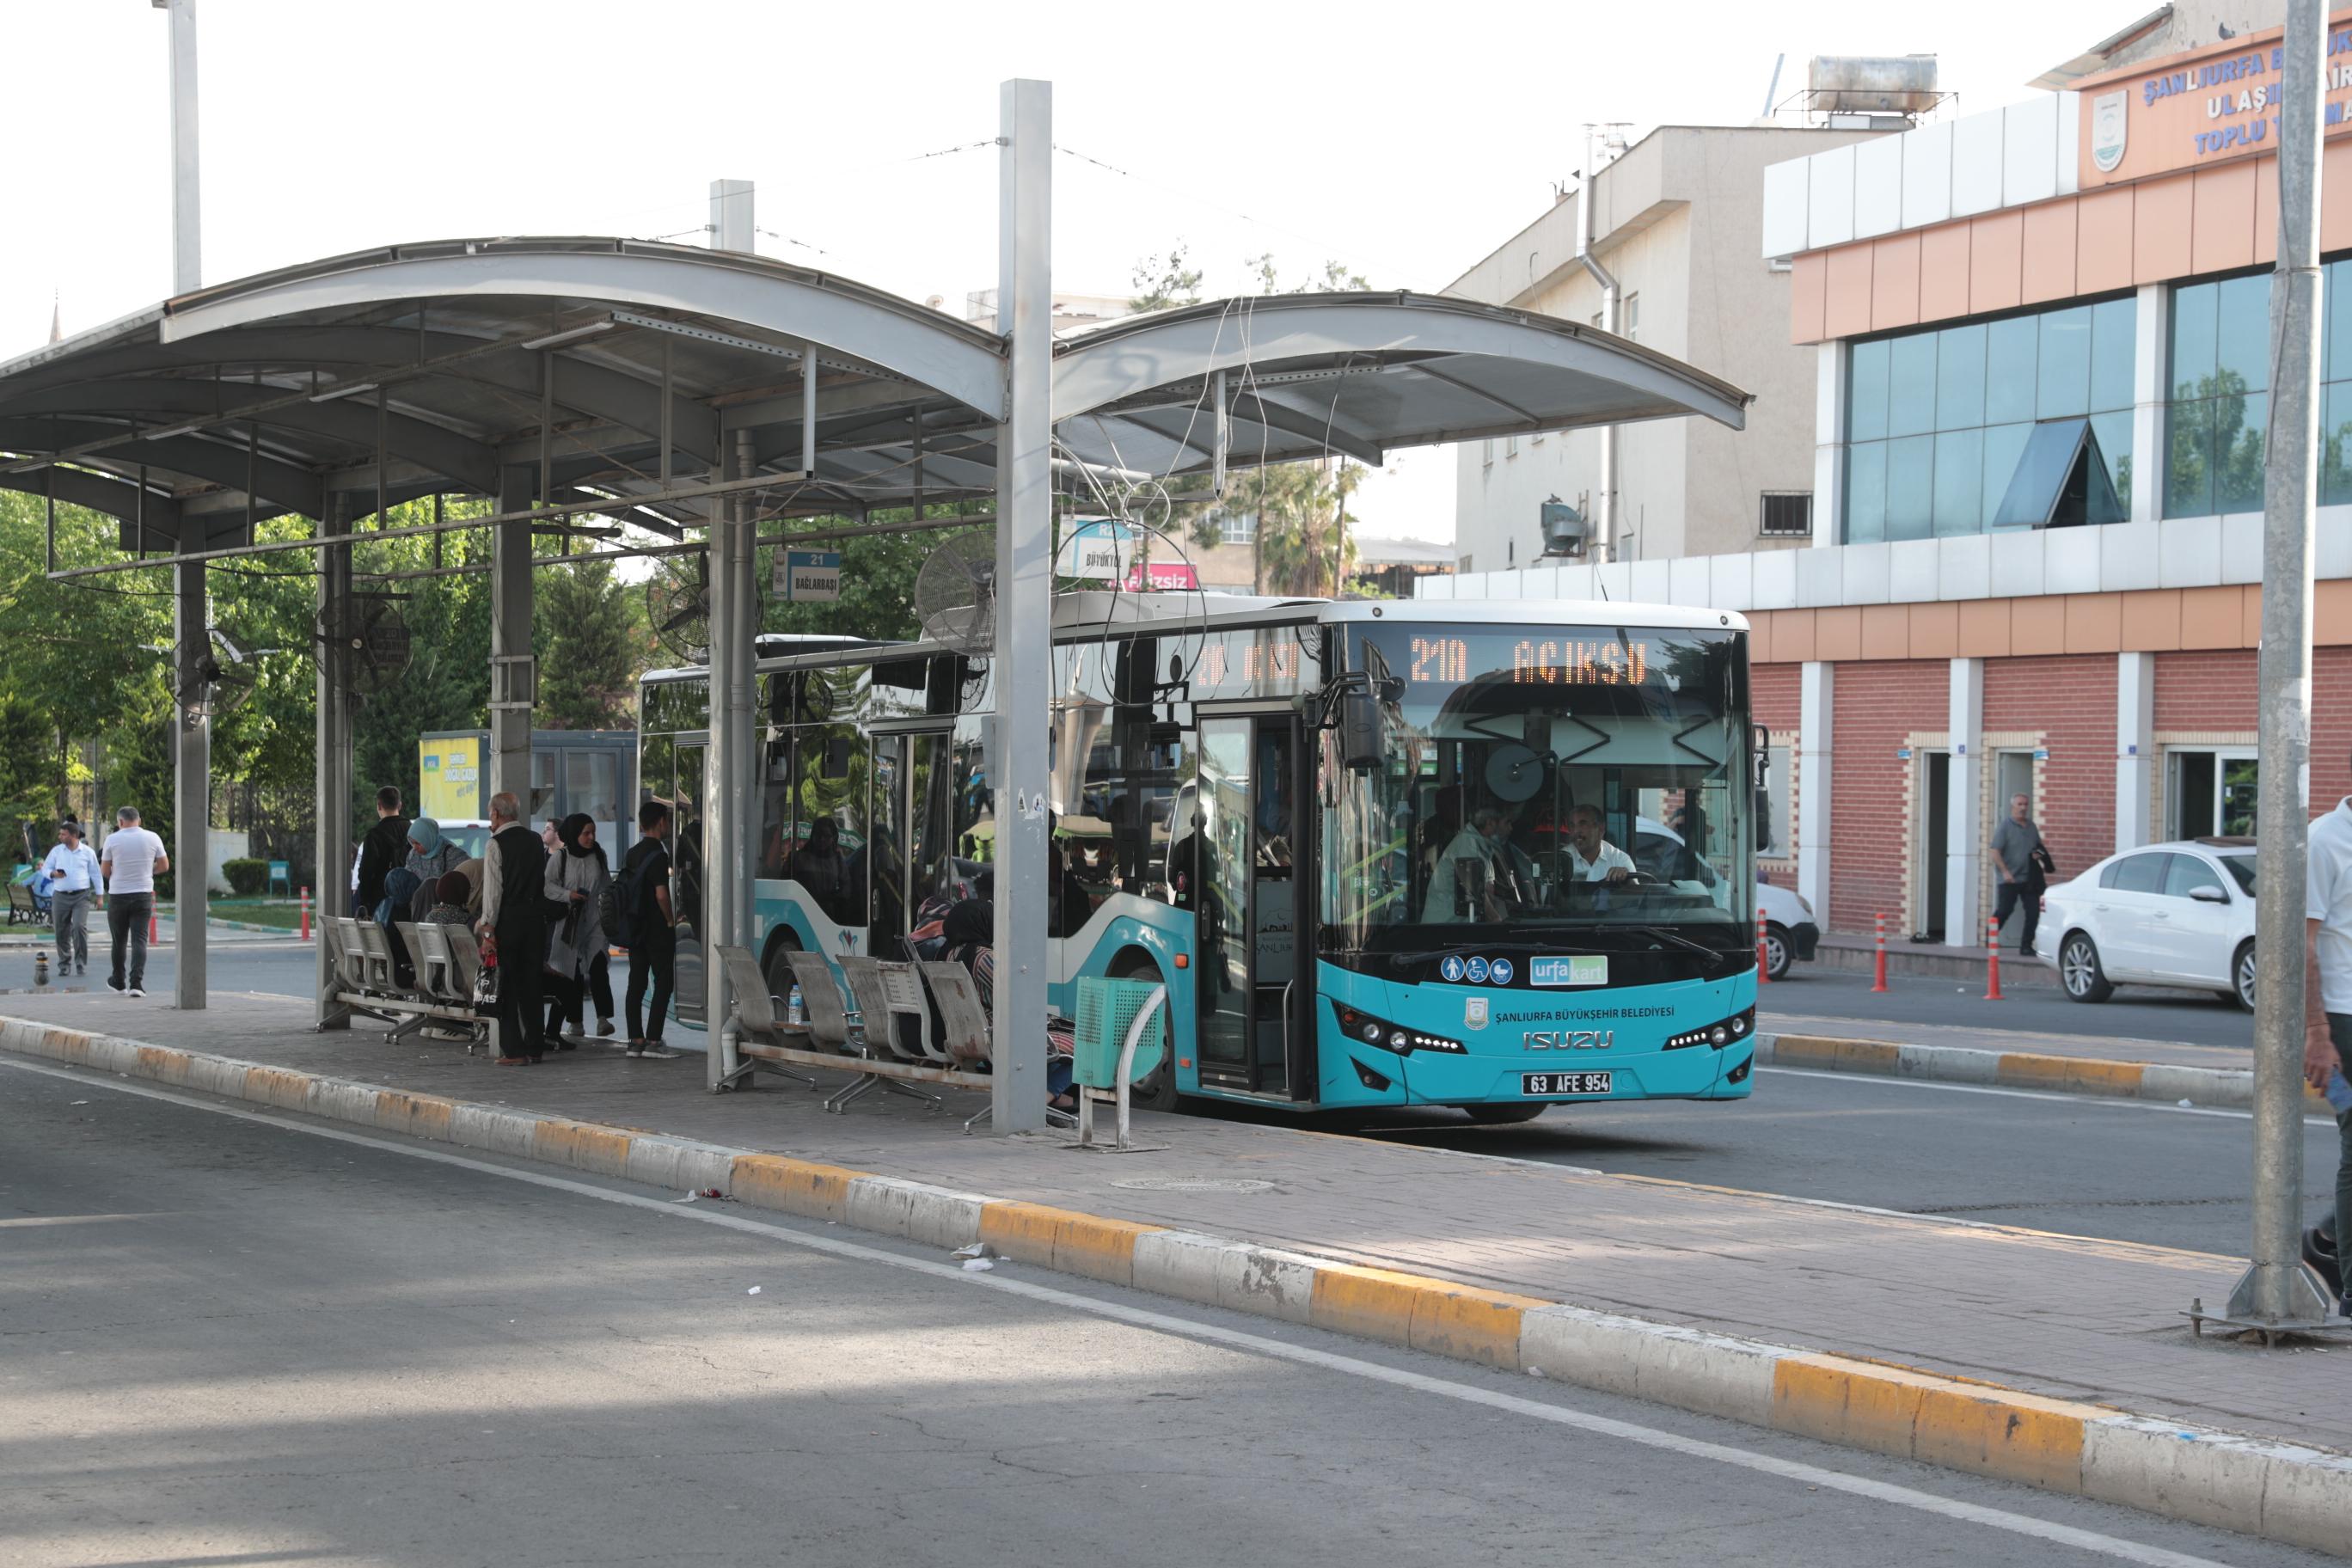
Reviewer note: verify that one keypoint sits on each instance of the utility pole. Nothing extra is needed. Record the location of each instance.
(192, 814)
(2278, 1290)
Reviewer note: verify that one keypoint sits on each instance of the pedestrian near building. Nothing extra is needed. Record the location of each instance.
(2327, 987)
(514, 916)
(381, 852)
(2024, 864)
(650, 925)
(133, 859)
(71, 875)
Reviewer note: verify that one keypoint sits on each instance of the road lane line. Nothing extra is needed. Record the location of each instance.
(2029, 1094)
(1817, 1476)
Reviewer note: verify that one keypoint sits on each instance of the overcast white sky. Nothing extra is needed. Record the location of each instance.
(1405, 141)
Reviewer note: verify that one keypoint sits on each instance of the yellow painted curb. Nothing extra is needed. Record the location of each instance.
(1981, 1429)
(1373, 1303)
(280, 1086)
(418, 1115)
(1064, 1239)
(161, 1063)
(1470, 1323)
(795, 1186)
(1835, 1055)
(2086, 1075)
(603, 1150)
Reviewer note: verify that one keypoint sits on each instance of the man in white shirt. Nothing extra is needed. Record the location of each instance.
(2327, 990)
(1590, 857)
(133, 858)
(70, 874)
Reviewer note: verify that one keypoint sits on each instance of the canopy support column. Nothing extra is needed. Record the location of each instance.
(514, 685)
(727, 785)
(332, 737)
(191, 742)
(1025, 601)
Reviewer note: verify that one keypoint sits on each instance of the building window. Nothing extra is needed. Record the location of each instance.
(1994, 425)
(1629, 316)
(1788, 514)
(1462, 562)
(2210, 791)
(1486, 451)
(1237, 528)
(2216, 423)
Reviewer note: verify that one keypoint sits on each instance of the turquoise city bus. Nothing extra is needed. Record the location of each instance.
(1494, 856)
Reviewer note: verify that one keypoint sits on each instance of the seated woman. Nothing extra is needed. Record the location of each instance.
(971, 929)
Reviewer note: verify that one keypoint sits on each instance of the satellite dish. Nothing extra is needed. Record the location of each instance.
(955, 594)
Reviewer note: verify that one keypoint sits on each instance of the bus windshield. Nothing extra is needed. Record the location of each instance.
(1538, 782)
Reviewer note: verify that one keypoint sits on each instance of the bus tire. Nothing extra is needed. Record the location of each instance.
(777, 966)
(1505, 1114)
(1157, 1089)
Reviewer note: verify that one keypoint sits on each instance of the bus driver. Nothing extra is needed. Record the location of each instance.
(1591, 859)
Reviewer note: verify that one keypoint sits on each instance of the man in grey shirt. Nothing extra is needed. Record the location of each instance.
(2015, 843)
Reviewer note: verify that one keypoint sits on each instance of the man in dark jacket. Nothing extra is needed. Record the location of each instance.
(514, 912)
(384, 848)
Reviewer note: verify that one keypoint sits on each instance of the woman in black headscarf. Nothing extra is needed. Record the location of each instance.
(575, 944)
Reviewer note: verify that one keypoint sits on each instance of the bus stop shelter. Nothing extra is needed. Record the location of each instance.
(719, 401)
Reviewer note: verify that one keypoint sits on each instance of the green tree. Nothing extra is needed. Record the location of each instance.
(877, 584)
(1162, 281)
(589, 657)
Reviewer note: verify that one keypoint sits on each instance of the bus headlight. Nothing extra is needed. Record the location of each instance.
(1725, 1032)
(1358, 1024)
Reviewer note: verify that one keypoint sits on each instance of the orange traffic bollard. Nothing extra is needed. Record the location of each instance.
(1763, 966)
(1878, 977)
(155, 930)
(306, 914)
(1992, 960)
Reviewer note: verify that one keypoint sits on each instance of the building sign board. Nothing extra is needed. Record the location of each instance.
(808, 577)
(2209, 105)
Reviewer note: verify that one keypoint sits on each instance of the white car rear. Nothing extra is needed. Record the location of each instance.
(2169, 914)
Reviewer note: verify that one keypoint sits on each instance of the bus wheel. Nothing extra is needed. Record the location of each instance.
(1156, 1090)
(778, 967)
(1504, 1115)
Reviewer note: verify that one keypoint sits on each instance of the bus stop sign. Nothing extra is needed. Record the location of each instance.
(809, 576)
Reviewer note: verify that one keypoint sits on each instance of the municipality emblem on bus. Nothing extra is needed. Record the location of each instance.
(2109, 126)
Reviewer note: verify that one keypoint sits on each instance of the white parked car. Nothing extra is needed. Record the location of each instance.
(2170, 914)
(1789, 931)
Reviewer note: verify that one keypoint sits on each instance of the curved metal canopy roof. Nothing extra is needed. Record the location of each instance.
(593, 357)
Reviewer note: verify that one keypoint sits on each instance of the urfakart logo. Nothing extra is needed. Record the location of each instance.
(1568, 1039)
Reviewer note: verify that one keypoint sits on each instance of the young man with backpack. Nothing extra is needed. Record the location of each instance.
(643, 921)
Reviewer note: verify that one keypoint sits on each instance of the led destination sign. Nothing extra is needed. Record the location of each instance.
(1534, 661)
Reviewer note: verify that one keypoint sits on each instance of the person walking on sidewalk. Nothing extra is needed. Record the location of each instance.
(71, 876)
(651, 929)
(381, 852)
(514, 913)
(2327, 989)
(576, 878)
(2018, 849)
(133, 858)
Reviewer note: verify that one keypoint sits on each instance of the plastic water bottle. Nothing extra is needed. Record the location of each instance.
(794, 1013)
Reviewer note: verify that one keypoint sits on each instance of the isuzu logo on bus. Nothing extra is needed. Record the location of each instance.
(1568, 1039)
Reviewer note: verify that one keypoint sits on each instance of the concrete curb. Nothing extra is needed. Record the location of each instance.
(2277, 1491)
(2019, 1070)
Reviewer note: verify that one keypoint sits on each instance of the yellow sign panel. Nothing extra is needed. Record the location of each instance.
(450, 770)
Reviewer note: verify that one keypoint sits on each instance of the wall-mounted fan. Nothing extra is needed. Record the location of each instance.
(955, 594)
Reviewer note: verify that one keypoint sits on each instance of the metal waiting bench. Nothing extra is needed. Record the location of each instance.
(885, 1037)
(367, 981)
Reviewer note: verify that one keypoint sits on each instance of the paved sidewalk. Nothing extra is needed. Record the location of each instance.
(1983, 1037)
(2067, 1317)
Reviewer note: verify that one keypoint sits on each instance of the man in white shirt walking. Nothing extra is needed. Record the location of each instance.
(2327, 986)
(70, 874)
(133, 857)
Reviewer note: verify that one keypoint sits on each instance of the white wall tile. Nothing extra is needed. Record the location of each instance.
(1976, 163)
(1575, 582)
(1784, 206)
(1613, 580)
(1731, 581)
(1652, 582)
(2016, 571)
(1776, 577)
(1911, 571)
(1829, 198)
(1687, 583)
(2070, 559)
(1540, 582)
(1820, 577)
(1877, 186)
(1926, 175)
(2128, 554)
(2188, 551)
(2332, 532)
(2070, 141)
(2029, 162)
(1964, 567)
(2241, 546)
(1866, 567)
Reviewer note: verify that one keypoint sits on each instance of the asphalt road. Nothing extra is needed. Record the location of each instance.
(224, 1340)
(2133, 1013)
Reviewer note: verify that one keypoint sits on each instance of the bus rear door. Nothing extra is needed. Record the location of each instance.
(1253, 974)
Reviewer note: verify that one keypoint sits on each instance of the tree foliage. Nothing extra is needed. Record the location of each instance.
(591, 654)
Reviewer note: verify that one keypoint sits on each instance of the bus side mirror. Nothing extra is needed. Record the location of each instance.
(1762, 738)
(1360, 732)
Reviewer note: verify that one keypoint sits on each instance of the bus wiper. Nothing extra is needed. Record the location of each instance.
(1668, 933)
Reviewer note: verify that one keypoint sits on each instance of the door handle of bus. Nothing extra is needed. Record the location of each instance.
(1287, 987)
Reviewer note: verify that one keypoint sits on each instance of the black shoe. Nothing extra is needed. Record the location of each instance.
(112, 984)
(2321, 1256)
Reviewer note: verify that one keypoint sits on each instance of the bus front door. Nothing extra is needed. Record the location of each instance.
(1251, 1005)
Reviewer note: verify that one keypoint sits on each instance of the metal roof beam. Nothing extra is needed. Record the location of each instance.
(99, 492)
(1288, 418)
(295, 489)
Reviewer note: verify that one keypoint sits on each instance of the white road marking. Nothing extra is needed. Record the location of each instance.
(1237, 1339)
(2123, 1101)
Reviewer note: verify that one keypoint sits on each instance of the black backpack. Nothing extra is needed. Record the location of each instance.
(620, 911)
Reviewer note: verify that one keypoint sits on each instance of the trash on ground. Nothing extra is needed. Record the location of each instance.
(753, 1292)
(2184, 1104)
(977, 1249)
(977, 1266)
(1535, 1372)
